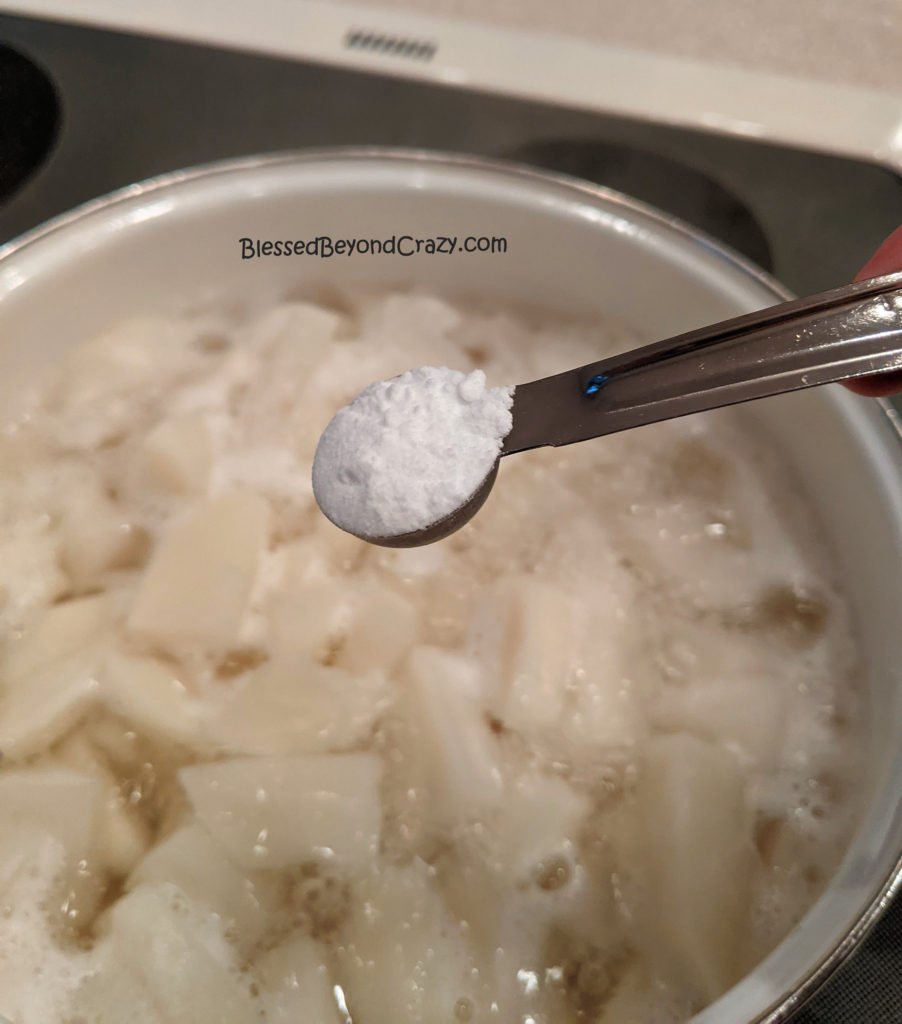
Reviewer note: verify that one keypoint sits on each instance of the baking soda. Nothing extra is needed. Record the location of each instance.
(410, 451)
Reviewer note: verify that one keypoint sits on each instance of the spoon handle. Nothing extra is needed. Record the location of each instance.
(844, 333)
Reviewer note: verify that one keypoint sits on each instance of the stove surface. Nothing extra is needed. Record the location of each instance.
(95, 110)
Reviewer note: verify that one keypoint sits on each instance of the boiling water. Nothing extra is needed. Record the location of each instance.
(588, 759)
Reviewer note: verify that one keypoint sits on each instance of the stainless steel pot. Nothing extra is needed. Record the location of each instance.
(176, 240)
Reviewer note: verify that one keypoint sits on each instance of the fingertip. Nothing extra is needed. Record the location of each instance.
(881, 385)
(886, 260)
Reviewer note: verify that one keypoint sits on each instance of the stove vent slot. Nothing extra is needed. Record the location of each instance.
(390, 45)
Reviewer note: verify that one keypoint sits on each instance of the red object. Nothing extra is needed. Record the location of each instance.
(886, 260)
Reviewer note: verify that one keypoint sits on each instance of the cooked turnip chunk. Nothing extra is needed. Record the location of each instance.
(539, 651)
(295, 985)
(695, 845)
(30, 858)
(382, 630)
(401, 956)
(177, 950)
(39, 709)
(60, 803)
(539, 822)
(747, 715)
(291, 341)
(179, 454)
(197, 585)
(106, 380)
(191, 859)
(457, 750)
(298, 331)
(97, 536)
(120, 837)
(143, 350)
(296, 705)
(29, 555)
(304, 561)
(517, 877)
(114, 991)
(310, 618)
(150, 695)
(62, 630)
(357, 628)
(275, 812)
(603, 716)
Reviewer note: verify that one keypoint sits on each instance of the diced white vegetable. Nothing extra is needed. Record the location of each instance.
(457, 751)
(22, 446)
(114, 991)
(295, 705)
(308, 619)
(100, 380)
(343, 550)
(382, 630)
(177, 950)
(511, 928)
(78, 752)
(410, 314)
(150, 695)
(539, 822)
(360, 628)
(38, 709)
(197, 585)
(401, 956)
(61, 631)
(50, 674)
(747, 715)
(197, 864)
(304, 561)
(603, 716)
(63, 804)
(291, 340)
(695, 854)
(515, 879)
(273, 812)
(32, 966)
(120, 837)
(295, 987)
(518, 882)
(179, 454)
(539, 650)
(299, 331)
(28, 851)
(29, 555)
(133, 354)
(701, 652)
(606, 716)
(96, 536)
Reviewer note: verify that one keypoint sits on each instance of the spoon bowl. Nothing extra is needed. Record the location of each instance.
(445, 526)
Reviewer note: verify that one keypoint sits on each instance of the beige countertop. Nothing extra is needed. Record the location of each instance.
(825, 75)
(850, 42)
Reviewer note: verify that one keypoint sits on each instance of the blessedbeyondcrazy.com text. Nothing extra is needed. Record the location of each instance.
(325, 246)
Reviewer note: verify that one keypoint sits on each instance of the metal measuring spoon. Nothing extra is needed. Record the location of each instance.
(848, 332)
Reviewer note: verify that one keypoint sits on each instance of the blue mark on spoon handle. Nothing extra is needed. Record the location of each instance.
(595, 384)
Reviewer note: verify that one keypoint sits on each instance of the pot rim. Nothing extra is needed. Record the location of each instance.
(882, 895)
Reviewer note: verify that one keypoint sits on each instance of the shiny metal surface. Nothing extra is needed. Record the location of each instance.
(821, 339)
(837, 335)
(47, 273)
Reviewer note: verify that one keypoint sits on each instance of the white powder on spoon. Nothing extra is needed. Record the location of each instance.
(409, 451)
